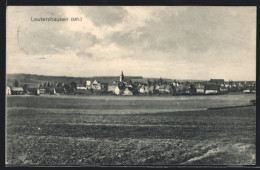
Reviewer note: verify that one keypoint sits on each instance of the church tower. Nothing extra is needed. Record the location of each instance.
(121, 77)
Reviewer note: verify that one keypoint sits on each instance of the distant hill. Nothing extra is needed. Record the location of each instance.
(36, 79)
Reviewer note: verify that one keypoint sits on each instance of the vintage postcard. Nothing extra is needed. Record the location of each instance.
(130, 85)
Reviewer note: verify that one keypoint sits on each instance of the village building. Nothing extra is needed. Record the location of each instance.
(81, 86)
(157, 87)
(151, 89)
(188, 90)
(96, 85)
(14, 90)
(200, 89)
(211, 89)
(127, 92)
(168, 89)
(121, 79)
(119, 90)
(249, 89)
(41, 91)
(122, 87)
(227, 84)
(223, 89)
(111, 88)
(88, 84)
(31, 91)
(59, 91)
(8, 90)
(144, 89)
(161, 88)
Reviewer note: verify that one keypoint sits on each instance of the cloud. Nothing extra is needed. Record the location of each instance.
(84, 54)
(183, 42)
(104, 15)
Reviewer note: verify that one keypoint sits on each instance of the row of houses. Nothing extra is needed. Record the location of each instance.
(34, 91)
(122, 87)
(128, 89)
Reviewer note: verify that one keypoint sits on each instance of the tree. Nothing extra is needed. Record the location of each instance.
(154, 82)
(25, 86)
(16, 83)
(149, 82)
(160, 80)
(73, 85)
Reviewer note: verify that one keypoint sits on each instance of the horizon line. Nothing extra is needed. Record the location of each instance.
(127, 76)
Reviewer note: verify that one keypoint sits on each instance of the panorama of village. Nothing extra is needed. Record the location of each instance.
(129, 87)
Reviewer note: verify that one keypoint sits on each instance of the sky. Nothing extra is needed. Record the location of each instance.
(177, 42)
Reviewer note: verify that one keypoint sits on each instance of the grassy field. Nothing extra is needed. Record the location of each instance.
(130, 130)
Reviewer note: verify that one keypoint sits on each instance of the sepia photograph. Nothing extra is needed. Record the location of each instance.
(130, 85)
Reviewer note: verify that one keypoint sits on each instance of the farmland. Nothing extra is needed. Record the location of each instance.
(114, 130)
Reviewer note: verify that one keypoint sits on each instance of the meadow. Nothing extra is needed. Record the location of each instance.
(117, 130)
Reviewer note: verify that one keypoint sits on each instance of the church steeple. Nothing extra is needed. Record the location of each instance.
(121, 76)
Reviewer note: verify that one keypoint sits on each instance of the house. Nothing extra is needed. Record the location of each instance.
(151, 89)
(146, 89)
(127, 92)
(119, 90)
(41, 91)
(96, 85)
(31, 91)
(211, 89)
(8, 90)
(111, 88)
(88, 84)
(14, 90)
(81, 86)
(247, 90)
(168, 89)
(175, 83)
(59, 91)
(223, 89)
(227, 84)
(142, 89)
(199, 89)
(161, 88)
(187, 89)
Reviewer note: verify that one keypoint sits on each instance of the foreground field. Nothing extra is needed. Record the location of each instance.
(80, 131)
